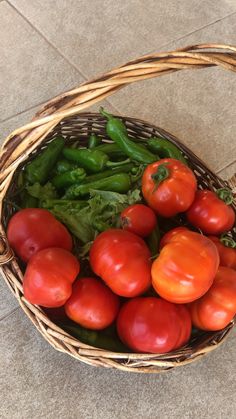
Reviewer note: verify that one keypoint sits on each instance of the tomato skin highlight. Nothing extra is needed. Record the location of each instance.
(217, 307)
(151, 325)
(227, 254)
(92, 304)
(122, 260)
(138, 219)
(185, 268)
(33, 229)
(210, 214)
(172, 195)
(49, 276)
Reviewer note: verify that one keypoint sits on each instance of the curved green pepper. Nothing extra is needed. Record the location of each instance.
(119, 182)
(93, 141)
(39, 169)
(165, 149)
(63, 166)
(111, 149)
(68, 178)
(117, 131)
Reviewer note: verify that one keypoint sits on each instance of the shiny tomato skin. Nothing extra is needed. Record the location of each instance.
(139, 219)
(171, 233)
(92, 304)
(49, 276)
(186, 325)
(149, 325)
(217, 307)
(185, 268)
(173, 195)
(34, 229)
(122, 260)
(210, 214)
(227, 254)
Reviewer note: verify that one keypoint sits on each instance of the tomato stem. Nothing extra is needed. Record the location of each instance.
(161, 174)
(228, 241)
(225, 195)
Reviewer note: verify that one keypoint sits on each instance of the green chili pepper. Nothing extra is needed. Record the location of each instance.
(68, 178)
(164, 148)
(38, 170)
(117, 131)
(63, 166)
(93, 141)
(26, 200)
(153, 241)
(111, 149)
(97, 339)
(119, 182)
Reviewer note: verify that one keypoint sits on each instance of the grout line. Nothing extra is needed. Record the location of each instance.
(226, 166)
(9, 314)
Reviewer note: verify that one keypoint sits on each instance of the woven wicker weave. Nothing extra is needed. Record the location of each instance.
(60, 115)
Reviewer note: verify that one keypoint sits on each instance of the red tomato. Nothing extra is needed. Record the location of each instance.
(171, 233)
(138, 219)
(34, 229)
(218, 306)
(185, 268)
(210, 214)
(186, 326)
(49, 276)
(92, 304)
(168, 187)
(227, 254)
(149, 324)
(122, 260)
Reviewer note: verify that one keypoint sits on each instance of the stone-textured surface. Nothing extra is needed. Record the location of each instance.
(228, 171)
(31, 70)
(43, 383)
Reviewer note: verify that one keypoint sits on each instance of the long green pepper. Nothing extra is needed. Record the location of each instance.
(165, 149)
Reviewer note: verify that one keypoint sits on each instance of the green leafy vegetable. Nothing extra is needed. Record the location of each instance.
(47, 191)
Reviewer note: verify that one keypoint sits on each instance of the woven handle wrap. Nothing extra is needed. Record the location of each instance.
(20, 143)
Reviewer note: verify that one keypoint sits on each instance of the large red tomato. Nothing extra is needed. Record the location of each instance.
(49, 276)
(168, 187)
(218, 306)
(210, 213)
(34, 229)
(227, 254)
(92, 304)
(171, 233)
(139, 219)
(150, 324)
(186, 326)
(122, 260)
(185, 268)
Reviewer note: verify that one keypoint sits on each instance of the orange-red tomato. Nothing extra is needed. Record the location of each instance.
(171, 233)
(185, 268)
(150, 324)
(210, 214)
(92, 304)
(34, 229)
(227, 254)
(49, 276)
(217, 307)
(122, 260)
(138, 219)
(169, 187)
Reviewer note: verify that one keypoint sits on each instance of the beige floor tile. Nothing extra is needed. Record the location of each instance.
(196, 106)
(228, 171)
(31, 70)
(8, 302)
(42, 383)
(97, 35)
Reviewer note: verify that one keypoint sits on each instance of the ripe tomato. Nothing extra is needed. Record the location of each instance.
(218, 306)
(138, 219)
(150, 324)
(227, 254)
(171, 233)
(49, 276)
(168, 187)
(122, 260)
(34, 229)
(185, 268)
(210, 213)
(92, 304)
(186, 326)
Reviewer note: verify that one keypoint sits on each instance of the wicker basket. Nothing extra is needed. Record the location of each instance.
(61, 115)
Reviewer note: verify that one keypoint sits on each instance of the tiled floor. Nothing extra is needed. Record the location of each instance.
(48, 47)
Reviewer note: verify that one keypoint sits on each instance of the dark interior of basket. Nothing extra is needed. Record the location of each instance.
(78, 129)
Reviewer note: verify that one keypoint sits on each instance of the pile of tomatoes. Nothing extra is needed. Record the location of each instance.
(153, 300)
